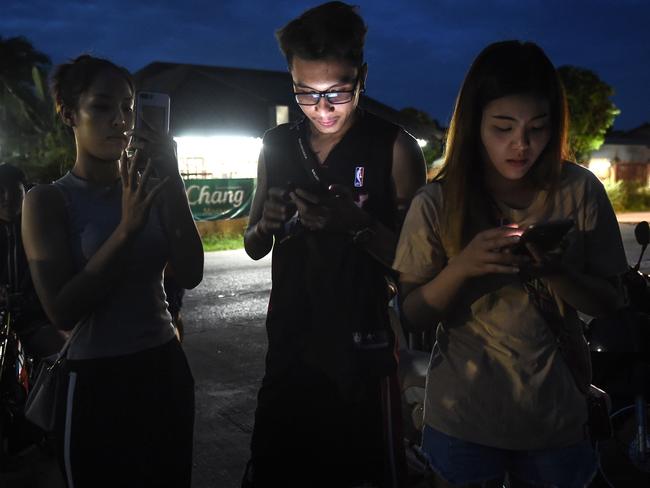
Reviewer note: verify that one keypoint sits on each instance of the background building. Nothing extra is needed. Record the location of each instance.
(219, 115)
(624, 156)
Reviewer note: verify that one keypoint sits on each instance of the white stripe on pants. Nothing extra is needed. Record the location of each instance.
(72, 381)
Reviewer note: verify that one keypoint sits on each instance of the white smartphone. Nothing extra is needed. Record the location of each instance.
(154, 109)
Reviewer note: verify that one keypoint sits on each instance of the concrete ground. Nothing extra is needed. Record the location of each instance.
(633, 217)
(225, 343)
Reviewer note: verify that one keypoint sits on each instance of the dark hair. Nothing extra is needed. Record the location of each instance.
(71, 79)
(9, 172)
(333, 30)
(501, 69)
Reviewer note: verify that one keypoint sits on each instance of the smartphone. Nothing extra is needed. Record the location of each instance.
(153, 108)
(546, 236)
(314, 188)
(290, 188)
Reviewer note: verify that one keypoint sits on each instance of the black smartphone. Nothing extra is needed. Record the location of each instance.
(290, 188)
(546, 236)
(314, 188)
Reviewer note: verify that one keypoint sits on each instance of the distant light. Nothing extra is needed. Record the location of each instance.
(422, 142)
(218, 156)
(281, 114)
(601, 167)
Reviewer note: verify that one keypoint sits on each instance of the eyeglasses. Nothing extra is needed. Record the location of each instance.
(333, 97)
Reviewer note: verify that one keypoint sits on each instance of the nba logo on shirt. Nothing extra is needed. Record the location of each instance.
(358, 176)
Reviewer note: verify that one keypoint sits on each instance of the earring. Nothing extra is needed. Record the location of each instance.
(67, 120)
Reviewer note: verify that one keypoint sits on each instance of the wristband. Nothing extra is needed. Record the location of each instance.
(364, 234)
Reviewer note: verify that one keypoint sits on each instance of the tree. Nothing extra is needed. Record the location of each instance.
(591, 112)
(52, 154)
(422, 126)
(21, 79)
(31, 136)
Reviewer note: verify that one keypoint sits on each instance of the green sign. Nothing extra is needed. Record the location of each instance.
(220, 199)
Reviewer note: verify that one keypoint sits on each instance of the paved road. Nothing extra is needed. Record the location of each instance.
(226, 343)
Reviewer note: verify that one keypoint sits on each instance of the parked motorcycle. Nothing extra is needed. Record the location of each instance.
(26, 452)
(413, 364)
(620, 348)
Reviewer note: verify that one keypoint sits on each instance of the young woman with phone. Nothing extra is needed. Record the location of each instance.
(97, 241)
(501, 399)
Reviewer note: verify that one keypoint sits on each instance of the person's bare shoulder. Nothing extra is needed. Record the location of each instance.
(409, 169)
(43, 211)
(46, 194)
(408, 157)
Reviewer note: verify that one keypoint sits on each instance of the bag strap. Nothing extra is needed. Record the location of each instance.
(547, 306)
(306, 157)
(66, 345)
(65, 195)
(61, 355)
(545, 303)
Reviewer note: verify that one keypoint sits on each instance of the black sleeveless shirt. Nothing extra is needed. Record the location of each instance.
(328, 295)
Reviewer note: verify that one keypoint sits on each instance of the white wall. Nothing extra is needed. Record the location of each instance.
(627, 153)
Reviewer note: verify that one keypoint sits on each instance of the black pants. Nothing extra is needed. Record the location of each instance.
(129, 420)
(305, 434)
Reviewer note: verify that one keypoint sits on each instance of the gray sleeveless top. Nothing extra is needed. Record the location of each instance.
(133, 316)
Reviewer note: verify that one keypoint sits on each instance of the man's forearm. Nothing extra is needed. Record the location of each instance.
(186, 248)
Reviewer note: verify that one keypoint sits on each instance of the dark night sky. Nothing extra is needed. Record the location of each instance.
(417, 50)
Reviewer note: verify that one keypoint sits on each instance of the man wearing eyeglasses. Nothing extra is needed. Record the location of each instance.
(331, 193)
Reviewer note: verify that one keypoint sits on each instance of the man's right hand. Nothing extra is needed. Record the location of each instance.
(277, 210)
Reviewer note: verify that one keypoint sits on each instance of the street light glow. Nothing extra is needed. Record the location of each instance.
(601, 167)
(422, 142)
(218, 156)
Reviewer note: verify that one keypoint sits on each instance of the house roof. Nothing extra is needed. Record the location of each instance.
(206, 99)
(639, 136)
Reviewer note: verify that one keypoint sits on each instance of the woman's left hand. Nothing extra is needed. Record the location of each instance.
(544, 264)
(157, 147)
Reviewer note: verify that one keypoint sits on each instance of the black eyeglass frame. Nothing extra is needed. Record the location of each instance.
(324, 94)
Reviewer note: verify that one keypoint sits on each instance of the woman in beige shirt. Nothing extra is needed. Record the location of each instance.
(500, 398)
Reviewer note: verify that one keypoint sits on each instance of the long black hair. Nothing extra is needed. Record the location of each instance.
(501, 69)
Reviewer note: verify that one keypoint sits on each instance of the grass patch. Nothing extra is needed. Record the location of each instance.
(222, 242)
(628, 197)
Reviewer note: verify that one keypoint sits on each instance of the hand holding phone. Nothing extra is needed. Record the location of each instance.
(545, 237)
(329, 208)
(277, 213)
(151, 136)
